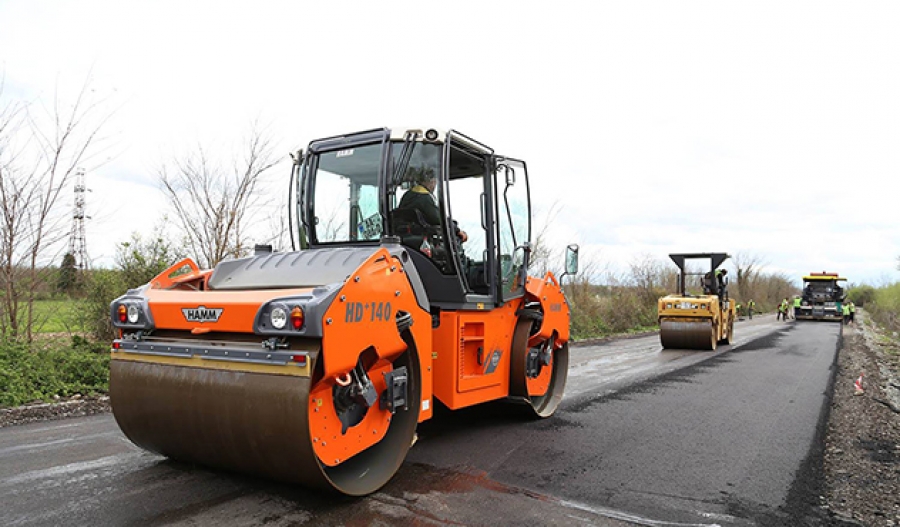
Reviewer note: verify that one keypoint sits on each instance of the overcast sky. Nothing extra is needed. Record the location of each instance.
(764, 128)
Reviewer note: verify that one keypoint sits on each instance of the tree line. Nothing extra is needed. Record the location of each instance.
(606, 302)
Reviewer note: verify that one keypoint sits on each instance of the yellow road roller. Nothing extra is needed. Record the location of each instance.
(406, 285)
(698, 321)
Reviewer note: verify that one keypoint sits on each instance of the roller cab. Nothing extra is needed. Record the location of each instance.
(315, 365)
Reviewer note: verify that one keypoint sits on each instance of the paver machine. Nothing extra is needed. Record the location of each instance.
(315, 365)
(822, 297)
(697, 321)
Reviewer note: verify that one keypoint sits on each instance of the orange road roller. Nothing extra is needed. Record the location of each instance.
(406, 284)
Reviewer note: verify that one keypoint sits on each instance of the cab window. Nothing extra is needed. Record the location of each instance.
(345, 195)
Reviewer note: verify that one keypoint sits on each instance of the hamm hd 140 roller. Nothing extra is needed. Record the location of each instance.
(315, 366)
(697, 321)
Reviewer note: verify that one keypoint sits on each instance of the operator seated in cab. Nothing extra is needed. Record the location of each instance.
(716, 283)
(418, 213)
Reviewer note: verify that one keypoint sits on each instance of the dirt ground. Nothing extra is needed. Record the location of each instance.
(862, 443)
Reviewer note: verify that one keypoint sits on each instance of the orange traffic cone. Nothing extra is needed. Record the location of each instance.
(858, 385)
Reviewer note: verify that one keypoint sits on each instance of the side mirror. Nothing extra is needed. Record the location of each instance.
(298, 157)
(510, 175)
(572, 259)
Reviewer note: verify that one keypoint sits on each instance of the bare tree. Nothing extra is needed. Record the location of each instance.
(279, 235)
(777, 287)
(13, 200)
(214, 205)
(748, 266)
(543, 251)
(41, 148)
(652, 278)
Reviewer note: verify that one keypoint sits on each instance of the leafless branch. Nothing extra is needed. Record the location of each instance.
(215, 206)
(41, 147)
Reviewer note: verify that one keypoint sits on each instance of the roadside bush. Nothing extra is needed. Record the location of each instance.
(36, 372)
(587, 309)
(861, 295)
(101, 288)
(886, 306)
(140, 260)
(599, 311)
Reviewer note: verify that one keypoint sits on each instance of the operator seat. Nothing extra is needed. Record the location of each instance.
(410, 225)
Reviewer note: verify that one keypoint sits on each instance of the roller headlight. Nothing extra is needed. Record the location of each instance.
(292, 315)
(278, 317)
(133, 314)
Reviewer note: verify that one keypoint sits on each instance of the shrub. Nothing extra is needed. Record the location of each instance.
(861, 295)
(102, 287)
(886, 306)
(31, 373)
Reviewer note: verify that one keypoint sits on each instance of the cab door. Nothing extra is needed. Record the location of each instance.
(512, 210)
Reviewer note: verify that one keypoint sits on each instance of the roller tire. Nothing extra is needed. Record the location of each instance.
(252, 423)
(543, 405)
(688, 334)
(729, 336)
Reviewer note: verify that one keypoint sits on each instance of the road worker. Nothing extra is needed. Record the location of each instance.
(796, 306)
(722, 283)
(751, 305)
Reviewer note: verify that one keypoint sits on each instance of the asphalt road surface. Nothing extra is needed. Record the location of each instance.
(643, 437)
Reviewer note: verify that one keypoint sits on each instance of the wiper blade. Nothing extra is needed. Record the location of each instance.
(405, 155)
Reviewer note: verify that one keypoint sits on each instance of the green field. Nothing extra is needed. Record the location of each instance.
(59, 316)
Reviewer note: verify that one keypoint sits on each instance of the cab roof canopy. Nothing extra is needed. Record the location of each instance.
(823, 277)
(716, 259)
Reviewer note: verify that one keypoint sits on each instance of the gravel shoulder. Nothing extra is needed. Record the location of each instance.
(72, 407)
(862, 443)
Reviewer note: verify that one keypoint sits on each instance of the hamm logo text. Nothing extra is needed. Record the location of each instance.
(202, 314)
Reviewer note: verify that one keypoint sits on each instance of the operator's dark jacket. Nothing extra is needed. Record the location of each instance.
(419, 198)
